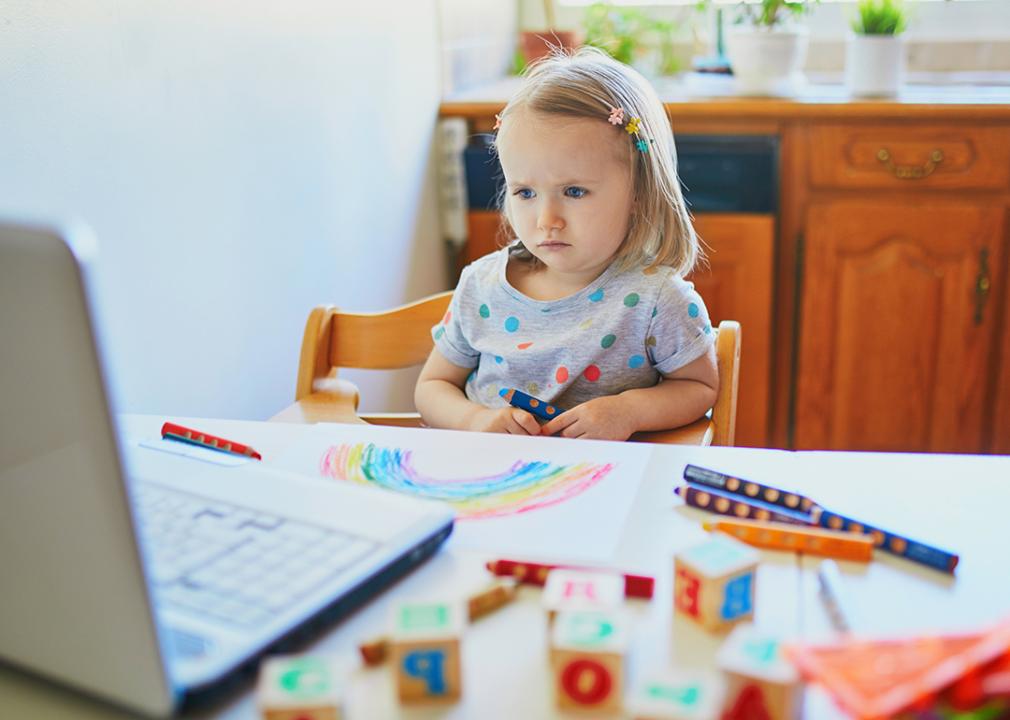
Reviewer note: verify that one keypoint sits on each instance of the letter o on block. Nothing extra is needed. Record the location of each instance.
(586, 681)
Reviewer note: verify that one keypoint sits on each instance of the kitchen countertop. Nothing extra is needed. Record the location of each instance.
(933, 95)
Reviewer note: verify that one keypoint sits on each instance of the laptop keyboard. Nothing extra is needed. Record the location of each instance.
(231, 563)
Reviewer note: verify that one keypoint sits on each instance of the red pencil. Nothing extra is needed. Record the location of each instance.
(528, 573)
(172, 431)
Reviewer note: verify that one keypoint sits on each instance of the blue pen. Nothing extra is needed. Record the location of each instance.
(519, 399)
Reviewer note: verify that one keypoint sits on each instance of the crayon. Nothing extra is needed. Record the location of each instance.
(529, 573)
(751, 490)
(893, 543)
(791, 537)
(171, 431)
(725, 503)
(498, 594)
(831, 593)
(519, 399)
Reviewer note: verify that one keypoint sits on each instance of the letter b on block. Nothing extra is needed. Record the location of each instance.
(429, 667)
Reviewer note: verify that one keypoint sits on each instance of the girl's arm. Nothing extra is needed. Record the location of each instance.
(440, 399)
(679, 398)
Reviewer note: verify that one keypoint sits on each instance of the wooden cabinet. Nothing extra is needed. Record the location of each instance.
(897, 335)
(887, 321)
(736, 285)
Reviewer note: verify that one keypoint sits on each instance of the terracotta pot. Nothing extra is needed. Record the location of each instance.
(536, 44)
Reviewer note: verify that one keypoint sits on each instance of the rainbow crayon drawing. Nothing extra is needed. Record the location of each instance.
(519, 399)
(524, 486)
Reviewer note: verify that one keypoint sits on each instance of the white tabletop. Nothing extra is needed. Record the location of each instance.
(955, 502)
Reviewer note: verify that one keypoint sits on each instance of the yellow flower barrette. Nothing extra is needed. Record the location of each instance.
(632, 127)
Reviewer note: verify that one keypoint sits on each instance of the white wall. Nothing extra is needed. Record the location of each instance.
(240, 161)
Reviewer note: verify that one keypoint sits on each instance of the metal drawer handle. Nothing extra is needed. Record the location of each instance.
(910, 172)
(982, 284)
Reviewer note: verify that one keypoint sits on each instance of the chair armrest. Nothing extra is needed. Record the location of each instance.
(331, 400)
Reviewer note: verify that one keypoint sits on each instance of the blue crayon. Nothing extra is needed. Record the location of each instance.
(893, 543)
(519, 399)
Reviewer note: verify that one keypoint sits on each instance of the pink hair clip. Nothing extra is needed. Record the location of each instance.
(616, 116)
(497, 121)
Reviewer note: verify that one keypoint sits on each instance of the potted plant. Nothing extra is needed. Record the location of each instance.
(632, 36)
(875, 53)
(535, 44)
(767, 47)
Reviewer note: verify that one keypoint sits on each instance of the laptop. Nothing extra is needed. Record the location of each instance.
(158, 587)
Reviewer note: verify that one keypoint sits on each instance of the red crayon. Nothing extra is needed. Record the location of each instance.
(171, 431)
(529, 573)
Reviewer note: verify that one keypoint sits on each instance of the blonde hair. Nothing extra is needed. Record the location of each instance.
(587, 84)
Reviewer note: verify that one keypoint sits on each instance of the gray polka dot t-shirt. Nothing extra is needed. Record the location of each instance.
(620, 332)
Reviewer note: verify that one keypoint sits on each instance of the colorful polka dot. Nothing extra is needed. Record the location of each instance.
(586, 324)
(591, 373)
(511, 323)
(485, 311)
(708, 329)
(608, 340)
(693, 310)
(636, 361)
(447, 317)
(596, 296)
(533, 389)
(650, 341)
(654, 311)
(651, 270)
(439, 333)
(561, 375)
(499, 359)
(523, 345)
(631, 299)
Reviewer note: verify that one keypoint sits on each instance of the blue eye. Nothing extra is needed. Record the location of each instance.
(524, 193)
(575, 192)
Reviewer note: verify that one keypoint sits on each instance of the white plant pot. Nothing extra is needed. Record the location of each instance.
(874, 65)
(767, 61)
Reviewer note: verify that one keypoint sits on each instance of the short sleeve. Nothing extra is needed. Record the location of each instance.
(449, 334)
(680, 331)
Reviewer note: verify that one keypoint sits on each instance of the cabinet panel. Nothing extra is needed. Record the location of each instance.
(893, 352)
(902, 156)
(737, 285)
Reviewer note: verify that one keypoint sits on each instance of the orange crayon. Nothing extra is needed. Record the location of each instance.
(795, 538)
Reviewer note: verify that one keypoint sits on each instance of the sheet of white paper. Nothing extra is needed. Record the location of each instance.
(174, 447)
(523, 497)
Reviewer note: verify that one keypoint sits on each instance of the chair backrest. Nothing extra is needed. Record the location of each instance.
(387, 340)
(401, 338)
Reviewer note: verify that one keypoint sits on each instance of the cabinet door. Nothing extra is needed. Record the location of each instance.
(895, 348)
(737, 285)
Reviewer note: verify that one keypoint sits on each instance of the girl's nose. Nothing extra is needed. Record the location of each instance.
(549, 219)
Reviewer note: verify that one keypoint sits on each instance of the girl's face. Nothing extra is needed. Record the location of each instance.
(569, 191)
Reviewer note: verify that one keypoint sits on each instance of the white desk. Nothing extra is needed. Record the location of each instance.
(955, 502)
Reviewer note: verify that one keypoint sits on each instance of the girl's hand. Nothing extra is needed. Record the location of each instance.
(603, 418)
(510, 420)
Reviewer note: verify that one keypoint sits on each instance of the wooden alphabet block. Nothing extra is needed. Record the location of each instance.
(678, 695)
(582, 590)
(299, 688)
(587, 653)
(759, 677)
(425, 650)
(714, 582)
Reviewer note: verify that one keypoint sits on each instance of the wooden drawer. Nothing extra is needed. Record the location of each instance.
(903, 156)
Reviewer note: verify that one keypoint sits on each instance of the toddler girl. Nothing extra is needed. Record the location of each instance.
(587, 309)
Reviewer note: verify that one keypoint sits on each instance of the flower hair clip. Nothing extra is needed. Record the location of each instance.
(497, 121)
(631, 127)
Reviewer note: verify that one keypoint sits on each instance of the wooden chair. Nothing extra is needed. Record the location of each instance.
(401, 338)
